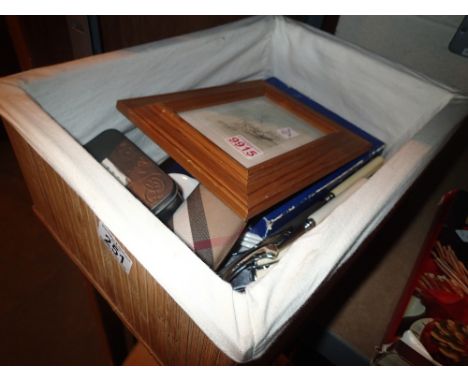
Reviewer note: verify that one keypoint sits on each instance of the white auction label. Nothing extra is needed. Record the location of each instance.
(462, 234)
(112, 168)
(287, 132)
(117, 252)
(245, 147)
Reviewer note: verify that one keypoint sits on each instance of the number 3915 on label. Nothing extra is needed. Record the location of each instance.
(244, 146)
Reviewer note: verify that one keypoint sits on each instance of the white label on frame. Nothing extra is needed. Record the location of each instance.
(244, 146)
(117, 252)
(462, 234)
(287, 133)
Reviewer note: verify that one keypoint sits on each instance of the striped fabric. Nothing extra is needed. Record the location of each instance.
(207, 226)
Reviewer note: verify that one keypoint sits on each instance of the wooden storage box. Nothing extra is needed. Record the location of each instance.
(169, 298)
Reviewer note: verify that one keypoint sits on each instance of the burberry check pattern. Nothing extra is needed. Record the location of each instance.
(207, 226)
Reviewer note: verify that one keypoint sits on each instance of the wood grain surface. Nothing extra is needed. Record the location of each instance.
(248, 191)
(141, 303)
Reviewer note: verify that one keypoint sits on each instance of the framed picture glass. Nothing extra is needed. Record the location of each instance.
(252, 131)
(250, 143)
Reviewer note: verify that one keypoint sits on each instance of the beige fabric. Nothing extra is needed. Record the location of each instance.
(207, 226)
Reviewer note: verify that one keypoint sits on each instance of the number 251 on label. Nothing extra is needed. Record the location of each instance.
(116, 250)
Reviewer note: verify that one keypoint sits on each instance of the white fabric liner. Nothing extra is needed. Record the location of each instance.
(412, 115)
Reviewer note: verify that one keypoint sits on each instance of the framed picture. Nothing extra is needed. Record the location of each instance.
(249, 143)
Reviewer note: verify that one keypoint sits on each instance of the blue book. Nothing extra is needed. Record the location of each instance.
(279, 215)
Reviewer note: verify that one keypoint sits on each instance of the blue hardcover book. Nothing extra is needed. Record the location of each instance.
(277, 216)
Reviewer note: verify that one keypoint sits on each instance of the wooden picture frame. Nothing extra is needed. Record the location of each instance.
(294, 156)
